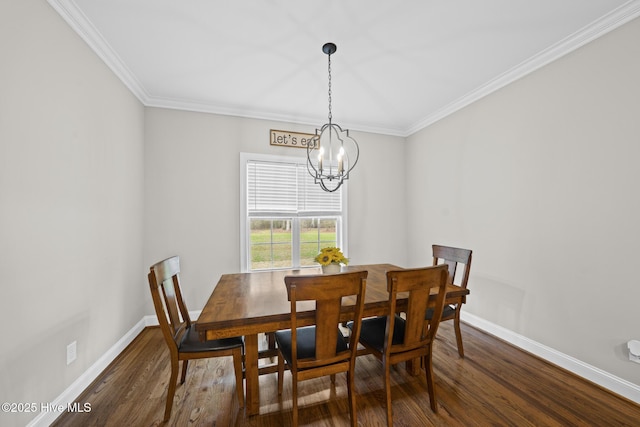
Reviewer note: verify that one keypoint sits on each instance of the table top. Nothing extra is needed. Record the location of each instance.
(251, 303)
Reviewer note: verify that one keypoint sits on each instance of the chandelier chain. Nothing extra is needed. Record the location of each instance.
(329, 69)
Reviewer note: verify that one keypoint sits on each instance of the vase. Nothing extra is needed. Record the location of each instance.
(332, 268)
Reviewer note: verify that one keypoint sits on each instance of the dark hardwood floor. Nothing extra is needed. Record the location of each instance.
(495, 384)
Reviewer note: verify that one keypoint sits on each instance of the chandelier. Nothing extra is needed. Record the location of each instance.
(333, 153)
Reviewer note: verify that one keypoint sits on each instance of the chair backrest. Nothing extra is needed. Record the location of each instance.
(452, 257)
(327, 291)
(418, 282)
(164, 281)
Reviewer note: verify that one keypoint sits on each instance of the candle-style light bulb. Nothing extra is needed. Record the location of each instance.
(320, 155)
(340, 163)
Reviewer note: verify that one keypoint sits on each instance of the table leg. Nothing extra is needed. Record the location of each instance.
(251, 374)
(413, 366)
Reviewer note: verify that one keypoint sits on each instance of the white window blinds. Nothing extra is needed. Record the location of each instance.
(286, 187)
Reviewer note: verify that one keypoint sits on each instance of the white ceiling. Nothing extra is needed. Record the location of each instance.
(399, 65)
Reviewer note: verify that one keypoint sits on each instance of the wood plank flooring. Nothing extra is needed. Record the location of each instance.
(495, 384)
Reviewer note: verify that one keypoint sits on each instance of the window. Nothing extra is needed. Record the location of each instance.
(286, 217)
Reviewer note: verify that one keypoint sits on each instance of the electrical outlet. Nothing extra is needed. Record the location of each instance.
(71, 352)
(634, 350)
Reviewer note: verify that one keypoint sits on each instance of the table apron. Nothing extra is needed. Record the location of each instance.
(228, 331)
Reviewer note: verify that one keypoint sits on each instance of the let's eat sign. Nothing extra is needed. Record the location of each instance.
(285, 138)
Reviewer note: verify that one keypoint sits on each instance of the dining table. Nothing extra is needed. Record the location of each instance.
(254, 303)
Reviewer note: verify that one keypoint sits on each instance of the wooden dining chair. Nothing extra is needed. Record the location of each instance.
(453, 258)
(320, 349)
(394, 339)
(179, 331)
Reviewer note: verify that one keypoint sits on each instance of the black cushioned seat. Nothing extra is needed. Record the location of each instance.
(306, 343)
(372, 331)
(191, 342)
(447, 311)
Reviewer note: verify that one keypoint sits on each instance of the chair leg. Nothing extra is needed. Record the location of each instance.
(387, 391)
(456, 326)
(280, 373)
(294, 398)
(237, 364)
(271, 340)
(352, 399)
(185, 365)
(172, 389)
(431, 386)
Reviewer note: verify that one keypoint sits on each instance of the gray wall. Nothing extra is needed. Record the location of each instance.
(192, 194)
(71, 205)
(540, 179)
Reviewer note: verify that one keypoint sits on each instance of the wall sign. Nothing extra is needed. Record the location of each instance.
(285, 138)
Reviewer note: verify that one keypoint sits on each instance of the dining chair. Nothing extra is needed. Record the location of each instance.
(179, 331)
(453, 257)
(319, 348)
(394, 339)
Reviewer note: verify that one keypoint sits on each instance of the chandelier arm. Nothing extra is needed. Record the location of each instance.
(329, 190)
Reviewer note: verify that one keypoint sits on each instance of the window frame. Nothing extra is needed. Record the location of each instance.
(245, 235)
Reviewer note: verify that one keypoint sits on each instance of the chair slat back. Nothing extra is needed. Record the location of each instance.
(327, 291)
(418, 283)
(173, 316)
(452, 257)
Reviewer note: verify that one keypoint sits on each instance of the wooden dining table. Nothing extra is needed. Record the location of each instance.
(248, 304)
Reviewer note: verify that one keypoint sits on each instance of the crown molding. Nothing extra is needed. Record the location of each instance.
(79, 22)
(70, 12)
(315, 122)
(596, 29)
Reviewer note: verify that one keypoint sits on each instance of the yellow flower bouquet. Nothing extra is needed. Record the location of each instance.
(331, 256)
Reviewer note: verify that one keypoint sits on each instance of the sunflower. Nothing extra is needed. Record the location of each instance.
(331, 255)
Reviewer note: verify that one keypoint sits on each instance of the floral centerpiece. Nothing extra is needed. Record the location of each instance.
(330, 260)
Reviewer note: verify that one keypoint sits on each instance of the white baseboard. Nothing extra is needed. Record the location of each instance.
(72, 392)
(70, 395)
(152, 320)
(598, 376)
